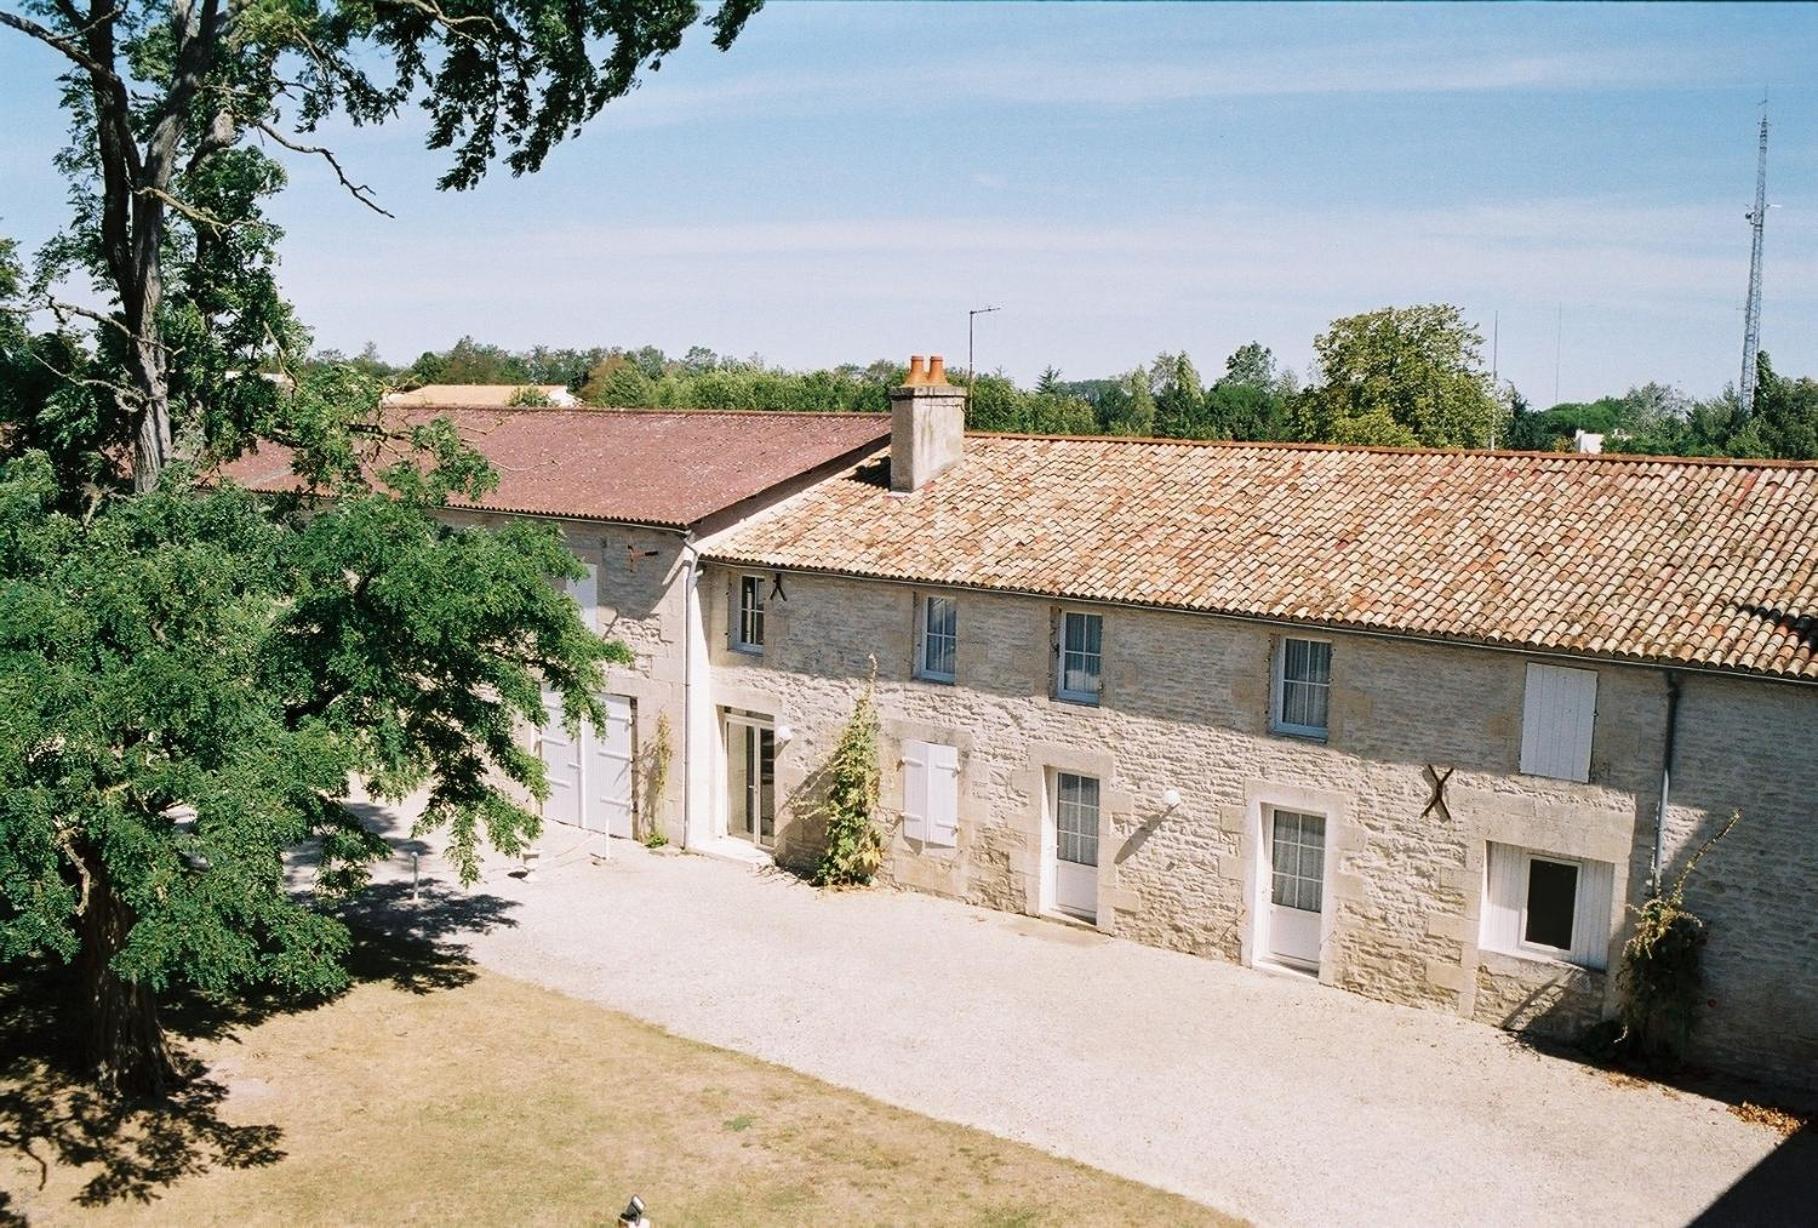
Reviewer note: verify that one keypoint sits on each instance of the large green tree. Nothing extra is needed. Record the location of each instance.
(165, 95)
(1785, 419)
(1404, 376)
(190, 677)
(1251, 399)
(1180, 400)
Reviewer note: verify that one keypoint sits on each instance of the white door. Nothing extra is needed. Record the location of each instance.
(590, 777)
(609, 778)
(1076, 845)
(1297, 863)
(562, 764)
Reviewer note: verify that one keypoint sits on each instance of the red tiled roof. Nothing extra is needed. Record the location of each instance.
(1706, 563)
(670, 468)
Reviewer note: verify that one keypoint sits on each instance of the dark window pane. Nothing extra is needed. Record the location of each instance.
(1552, 897)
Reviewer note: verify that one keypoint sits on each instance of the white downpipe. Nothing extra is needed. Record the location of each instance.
(697, 705)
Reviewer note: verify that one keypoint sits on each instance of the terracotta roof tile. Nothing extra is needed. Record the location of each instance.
(1705, 563)
(671, 468)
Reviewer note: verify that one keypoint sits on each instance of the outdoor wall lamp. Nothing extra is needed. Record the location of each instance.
(784, 734)
(1170, 799)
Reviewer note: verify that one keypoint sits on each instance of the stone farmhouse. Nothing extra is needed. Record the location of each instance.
(1423, 725)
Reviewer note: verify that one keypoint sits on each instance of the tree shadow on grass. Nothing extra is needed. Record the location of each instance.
(131, 1149)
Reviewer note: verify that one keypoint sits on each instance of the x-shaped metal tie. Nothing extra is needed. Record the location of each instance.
(1438, 800)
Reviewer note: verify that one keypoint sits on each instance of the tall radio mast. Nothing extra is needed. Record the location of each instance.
(1751, 314)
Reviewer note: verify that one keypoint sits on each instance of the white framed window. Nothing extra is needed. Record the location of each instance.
(937, 638)
(1547, 907)
(1079, 657)
(748, 614)
(1558, 711)
(1303, 687)
(931, 793)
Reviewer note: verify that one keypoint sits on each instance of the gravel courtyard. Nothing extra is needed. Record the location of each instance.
(1262, 1095)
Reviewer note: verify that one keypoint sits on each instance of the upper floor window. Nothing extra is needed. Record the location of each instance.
(748, 618)
(1079, 660)
(1303, 687)
(1557, 713)
(937, 640)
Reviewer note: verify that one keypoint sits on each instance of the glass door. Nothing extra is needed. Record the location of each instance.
(750, 780)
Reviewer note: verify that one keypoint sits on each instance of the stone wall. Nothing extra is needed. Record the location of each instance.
(1186, 706)
(1752, 748)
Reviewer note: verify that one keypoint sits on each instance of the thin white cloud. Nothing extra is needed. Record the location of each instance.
(939, 80)
(1096, 298)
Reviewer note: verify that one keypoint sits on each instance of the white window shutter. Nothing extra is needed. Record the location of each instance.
(586, 593)
(943, 795)
(1503, 894)
(1558, 712)
(915, 790)
(1591, 920)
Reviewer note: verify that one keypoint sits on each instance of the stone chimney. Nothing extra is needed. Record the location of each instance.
(927, 425)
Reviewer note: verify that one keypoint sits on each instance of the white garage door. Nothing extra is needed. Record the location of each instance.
(590, 778)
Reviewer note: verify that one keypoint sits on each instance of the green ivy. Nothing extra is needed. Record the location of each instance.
(1662, 975)
(855, 845)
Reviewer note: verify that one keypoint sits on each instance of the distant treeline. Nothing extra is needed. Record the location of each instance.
(1407, 376)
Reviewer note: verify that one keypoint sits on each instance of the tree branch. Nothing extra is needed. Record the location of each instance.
(451, 24)
(59, 308)
(193, 213)
(126, 395)
(222, 133)
(359, 191)
(51, 38)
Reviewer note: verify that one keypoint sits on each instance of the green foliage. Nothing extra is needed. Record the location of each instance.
(1400, 376)
(529, 396)
(997, 404)
(1661, 977)
(1180, 401)
(656, 782)
(1785, 420)
(855, 845)
(1128, 406)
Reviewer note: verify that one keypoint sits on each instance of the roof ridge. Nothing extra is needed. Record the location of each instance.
(1633, 458)
(856, 415)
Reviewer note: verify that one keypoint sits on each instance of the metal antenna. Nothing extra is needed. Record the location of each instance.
(1495, 370)
(971, 367)
(1558, 350)
(1751, 313)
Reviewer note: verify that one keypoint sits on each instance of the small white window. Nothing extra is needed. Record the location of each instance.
(937, 638)
(930, 793)
(748, 615)
(1079, 659)
(1303, 687)
(1556, 718)
(1547, 907)
(586, 594)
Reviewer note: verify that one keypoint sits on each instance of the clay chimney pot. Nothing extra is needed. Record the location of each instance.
(916, 374)
(937, 369)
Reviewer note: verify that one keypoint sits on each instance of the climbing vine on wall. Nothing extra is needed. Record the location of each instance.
(855, 844)
(656, 783)
(1662, 974)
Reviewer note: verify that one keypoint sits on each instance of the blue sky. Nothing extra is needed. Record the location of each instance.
(849, 179)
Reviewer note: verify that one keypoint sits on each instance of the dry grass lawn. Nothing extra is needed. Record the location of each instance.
(497, 1102)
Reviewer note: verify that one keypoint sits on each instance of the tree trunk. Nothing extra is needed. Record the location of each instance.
(152, 446)
(125, 1042)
